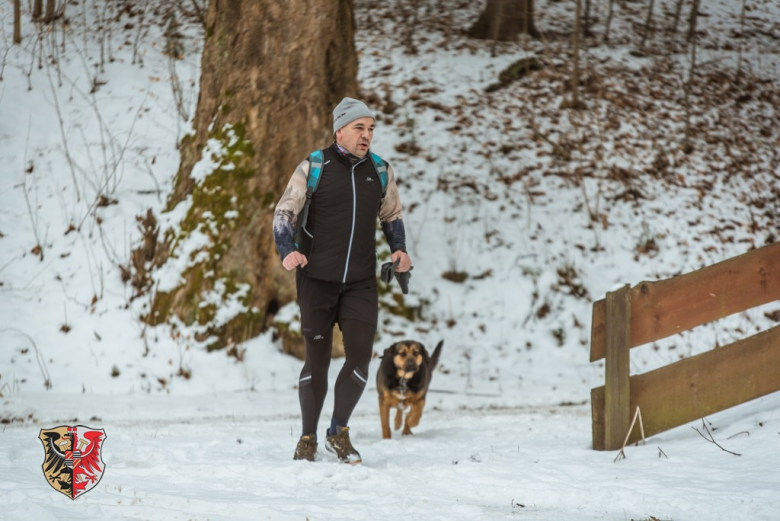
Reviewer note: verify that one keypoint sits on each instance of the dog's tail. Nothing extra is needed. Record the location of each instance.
(435, 357)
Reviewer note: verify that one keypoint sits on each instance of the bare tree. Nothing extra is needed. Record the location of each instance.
(609, 20)
(741, 39)
(271, 74)
(37, 9)
(51, 7)
(677, 11)
(694, 16)
(586, 20)
(648, 24)
(575, 75)
(503, 20)
(687, 145)
(409, 24)
(17, 21)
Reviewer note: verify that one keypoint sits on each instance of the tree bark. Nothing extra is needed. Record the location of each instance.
(37, 9)
(51, 7)
(503, 20)
(17, 21)
(271, 75)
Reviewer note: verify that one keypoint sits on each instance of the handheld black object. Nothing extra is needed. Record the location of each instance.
(403, 279)
(387, 273)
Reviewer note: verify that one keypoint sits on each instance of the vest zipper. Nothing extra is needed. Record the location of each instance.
(354, 214)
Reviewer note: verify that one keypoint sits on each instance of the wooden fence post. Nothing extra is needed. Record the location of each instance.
(617, 391)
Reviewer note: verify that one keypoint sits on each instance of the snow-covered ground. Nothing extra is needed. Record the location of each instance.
(506, 432)
(222, 457)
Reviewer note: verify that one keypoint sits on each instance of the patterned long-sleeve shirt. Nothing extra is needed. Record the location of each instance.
(292, 201)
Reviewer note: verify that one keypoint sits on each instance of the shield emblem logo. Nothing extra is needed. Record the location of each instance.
(73, 462)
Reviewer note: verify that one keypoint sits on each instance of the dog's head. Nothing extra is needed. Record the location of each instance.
(408, 356)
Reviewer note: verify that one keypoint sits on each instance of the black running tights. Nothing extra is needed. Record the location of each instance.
(313, 384)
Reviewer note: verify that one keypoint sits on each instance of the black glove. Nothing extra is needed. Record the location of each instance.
(388, 272)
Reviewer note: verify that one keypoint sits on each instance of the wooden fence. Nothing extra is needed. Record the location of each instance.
(697, 386)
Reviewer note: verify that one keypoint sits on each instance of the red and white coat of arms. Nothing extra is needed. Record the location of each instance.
(73, 463)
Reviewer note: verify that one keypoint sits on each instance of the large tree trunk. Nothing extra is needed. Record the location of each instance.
(504, 19)
(271, 74)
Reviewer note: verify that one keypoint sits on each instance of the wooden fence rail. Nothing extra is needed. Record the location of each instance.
(697, 386)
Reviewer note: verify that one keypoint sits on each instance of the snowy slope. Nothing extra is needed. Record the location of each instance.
(507, 428)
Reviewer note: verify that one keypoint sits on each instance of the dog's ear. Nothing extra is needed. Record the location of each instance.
(389, 351)
(424, 353)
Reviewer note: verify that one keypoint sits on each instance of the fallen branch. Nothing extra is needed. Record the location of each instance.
(711, 439)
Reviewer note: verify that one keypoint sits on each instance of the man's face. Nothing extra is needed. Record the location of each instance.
(356, 137)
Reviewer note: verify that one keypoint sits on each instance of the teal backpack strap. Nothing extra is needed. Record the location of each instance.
(315, 171)
(381, 170)
(316, 166)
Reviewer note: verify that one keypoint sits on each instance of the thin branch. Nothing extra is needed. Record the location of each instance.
(687, 146)
(34, 220)
(7, 50)
(648, 24)
(622, 454)
(39, 358)
(63, 134)
(609, 21)
(196, 8)
(711, 439)
(741, 39)
(137, 58)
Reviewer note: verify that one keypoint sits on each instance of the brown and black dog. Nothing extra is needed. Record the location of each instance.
(402, 381)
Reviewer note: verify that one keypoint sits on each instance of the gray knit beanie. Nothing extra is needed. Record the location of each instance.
(348, 111)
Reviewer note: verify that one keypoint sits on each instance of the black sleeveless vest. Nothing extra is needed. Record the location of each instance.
(340, 236)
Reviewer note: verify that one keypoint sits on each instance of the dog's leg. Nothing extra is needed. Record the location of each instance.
(384, 417)
(398, 417)
(413, 418)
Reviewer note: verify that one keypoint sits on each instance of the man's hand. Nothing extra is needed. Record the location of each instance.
(405, 262)
(295, 259)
